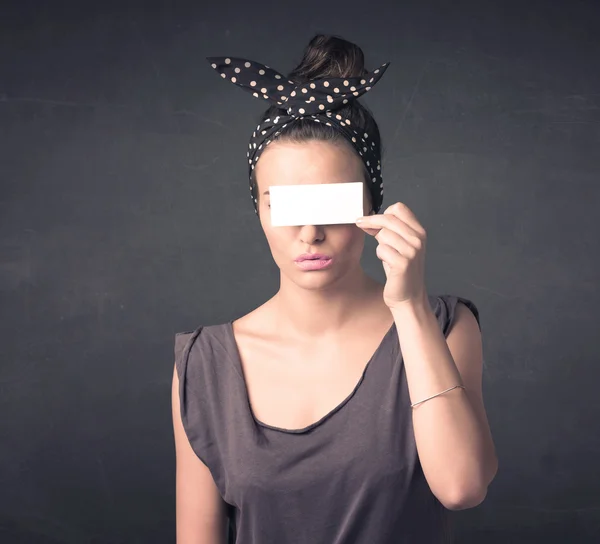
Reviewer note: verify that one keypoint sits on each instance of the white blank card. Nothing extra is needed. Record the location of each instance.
(316, 204)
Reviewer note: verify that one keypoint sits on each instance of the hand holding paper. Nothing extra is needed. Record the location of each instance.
(402, 243)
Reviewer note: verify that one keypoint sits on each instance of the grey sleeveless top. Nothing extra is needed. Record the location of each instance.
(352, 477)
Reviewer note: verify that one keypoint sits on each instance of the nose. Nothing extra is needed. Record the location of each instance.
(311, 233)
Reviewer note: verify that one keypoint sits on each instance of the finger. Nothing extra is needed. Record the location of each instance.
(394, 224)
(391, 256)
(403, 212)
(397, 242)
(369, 229)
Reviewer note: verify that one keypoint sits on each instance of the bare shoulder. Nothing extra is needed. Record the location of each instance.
(256, 324)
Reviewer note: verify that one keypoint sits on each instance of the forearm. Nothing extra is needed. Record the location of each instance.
(455, 448)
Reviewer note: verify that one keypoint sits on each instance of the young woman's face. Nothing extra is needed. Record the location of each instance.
(288, 163)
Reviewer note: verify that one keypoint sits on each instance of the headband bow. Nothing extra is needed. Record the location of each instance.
(316, 100)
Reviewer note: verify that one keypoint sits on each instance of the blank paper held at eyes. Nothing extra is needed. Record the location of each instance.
(316, 204)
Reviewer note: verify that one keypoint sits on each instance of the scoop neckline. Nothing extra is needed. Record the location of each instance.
(240, 369)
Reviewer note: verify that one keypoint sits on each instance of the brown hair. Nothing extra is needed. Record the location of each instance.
(325, 56)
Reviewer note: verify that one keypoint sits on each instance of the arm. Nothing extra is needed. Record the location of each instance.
(452, 434)
(200, 510)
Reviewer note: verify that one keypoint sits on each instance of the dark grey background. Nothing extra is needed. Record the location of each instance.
(125, 217)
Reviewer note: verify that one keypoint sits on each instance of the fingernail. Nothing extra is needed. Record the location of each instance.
(359, 220)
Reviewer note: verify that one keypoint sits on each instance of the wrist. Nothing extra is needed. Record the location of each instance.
(418, 307)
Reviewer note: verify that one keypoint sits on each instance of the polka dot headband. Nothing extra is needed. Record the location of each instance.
(315, 100)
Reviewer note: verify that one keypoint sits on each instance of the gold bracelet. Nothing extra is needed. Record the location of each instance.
(449, 389)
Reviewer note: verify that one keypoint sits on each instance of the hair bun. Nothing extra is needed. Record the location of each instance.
(329, 56)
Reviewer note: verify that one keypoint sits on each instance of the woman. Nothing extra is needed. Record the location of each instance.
(341, 410)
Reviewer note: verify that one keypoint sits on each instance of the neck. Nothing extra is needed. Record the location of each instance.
(326, 311)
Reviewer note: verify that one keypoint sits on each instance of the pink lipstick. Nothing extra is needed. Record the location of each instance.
(316, 261)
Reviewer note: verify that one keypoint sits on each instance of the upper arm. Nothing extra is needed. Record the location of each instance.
(465, 344)
(200, 509)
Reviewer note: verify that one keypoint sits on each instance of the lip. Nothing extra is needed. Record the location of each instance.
(314, 264)
(312, 256)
